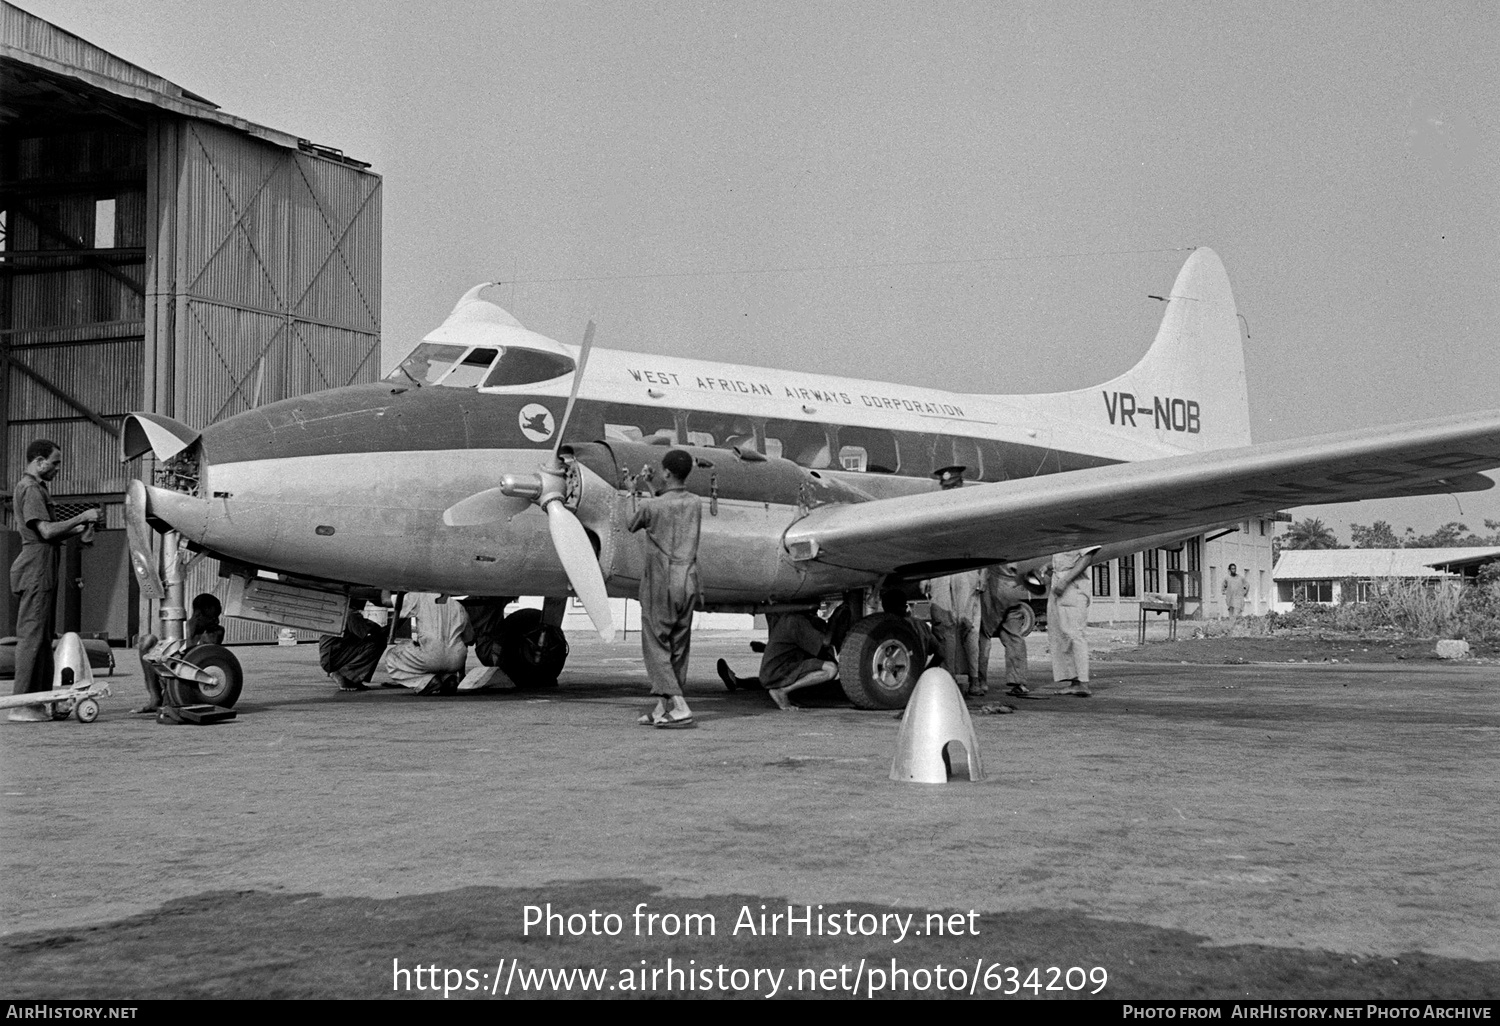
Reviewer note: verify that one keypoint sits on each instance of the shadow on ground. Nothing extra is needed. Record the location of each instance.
(277, 945)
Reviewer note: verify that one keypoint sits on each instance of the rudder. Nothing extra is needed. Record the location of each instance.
(1188, 393)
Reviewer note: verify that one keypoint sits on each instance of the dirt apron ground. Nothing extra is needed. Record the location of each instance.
(1291, 830)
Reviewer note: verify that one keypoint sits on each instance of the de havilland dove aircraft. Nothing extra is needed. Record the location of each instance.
(495, 462)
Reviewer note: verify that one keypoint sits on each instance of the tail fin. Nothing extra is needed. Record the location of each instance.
(1188, 393)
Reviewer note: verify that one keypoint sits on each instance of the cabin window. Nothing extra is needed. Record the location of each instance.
(625, 423)
(426, 363)
(992, 460)
(527, 367)
(939, 453)
(875, 450)
(807, 445)
(966, 453)
(728, 431)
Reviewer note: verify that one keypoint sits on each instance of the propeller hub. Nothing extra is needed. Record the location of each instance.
(521, 486)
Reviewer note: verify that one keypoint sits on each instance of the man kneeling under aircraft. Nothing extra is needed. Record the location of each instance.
(432, 662)
(796, 657)
(350, 658)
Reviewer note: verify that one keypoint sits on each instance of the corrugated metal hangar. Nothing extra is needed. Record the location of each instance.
(158, 254)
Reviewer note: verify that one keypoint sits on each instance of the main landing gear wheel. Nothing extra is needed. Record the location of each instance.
(1028, 619)
(532, 653)
(219, 663)
(880, 661)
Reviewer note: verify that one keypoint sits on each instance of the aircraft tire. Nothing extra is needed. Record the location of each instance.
(532, 653)
(1028, 624)
(880, 661)
(220, 663)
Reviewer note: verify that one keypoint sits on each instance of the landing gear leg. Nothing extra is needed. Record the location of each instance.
(205, 675)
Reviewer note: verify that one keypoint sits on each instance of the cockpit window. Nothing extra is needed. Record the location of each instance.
(470, 371)
(426, 364)
(526, 366)
(435, 363)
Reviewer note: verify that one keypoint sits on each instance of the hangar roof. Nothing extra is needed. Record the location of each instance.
(1334, 564)
(49, 77)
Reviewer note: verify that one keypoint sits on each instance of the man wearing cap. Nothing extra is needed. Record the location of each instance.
(1067, 616)
(669, 588)
(1005, 591)
(956, 613)
(33, 575)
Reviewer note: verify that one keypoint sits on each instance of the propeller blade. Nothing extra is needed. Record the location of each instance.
(484, 508)
(583, 361)
(582, 566)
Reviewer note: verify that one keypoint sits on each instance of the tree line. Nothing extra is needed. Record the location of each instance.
(1312, 533)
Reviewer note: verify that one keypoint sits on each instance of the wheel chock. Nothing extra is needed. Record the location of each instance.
(936, 742)
(173, 715)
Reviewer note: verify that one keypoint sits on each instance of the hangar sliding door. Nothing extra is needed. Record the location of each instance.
(264, 282)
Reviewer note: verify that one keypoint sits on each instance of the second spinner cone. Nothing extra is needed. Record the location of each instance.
(70, 655)
(935, 718)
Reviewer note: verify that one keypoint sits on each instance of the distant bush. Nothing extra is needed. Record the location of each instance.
(1303, 615)
(1471, 612)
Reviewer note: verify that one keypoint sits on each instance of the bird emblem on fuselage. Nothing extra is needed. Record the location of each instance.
(536, 422)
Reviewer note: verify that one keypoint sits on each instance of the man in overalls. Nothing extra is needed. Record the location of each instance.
(669, 588)
(33, 575)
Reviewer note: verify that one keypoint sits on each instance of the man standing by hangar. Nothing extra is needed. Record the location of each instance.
(669, 588)
(33, 575)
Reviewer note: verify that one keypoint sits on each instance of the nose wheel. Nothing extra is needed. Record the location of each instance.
(219, 665)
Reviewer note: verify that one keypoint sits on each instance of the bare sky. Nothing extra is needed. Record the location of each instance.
(975, 196)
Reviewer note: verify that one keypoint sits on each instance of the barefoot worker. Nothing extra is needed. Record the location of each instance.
(796, 656)
(669, 588)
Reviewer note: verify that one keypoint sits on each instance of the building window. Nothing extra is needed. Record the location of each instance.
(104, 224)
(1152, 559)
(1127, 576)
(1312, 591)
(1101, 579)
(1191, 582)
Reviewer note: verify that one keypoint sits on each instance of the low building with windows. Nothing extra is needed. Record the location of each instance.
(1335, 576)
(1195, 569)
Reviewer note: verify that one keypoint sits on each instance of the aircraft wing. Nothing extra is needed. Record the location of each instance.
(1023, 519)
